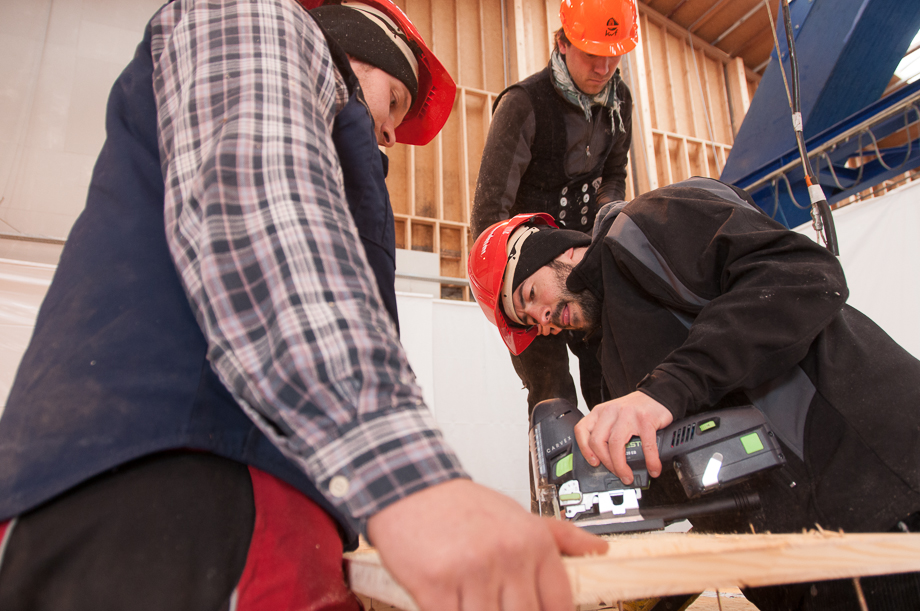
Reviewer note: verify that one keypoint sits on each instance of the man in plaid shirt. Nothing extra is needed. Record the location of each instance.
(215, 395)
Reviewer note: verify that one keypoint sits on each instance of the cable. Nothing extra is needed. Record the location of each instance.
(821, 216)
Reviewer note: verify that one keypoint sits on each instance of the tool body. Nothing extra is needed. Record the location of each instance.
(708, 452)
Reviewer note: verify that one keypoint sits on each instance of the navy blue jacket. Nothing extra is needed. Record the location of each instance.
(117, 365)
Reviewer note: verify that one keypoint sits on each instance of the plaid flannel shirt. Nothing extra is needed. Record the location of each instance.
(262, 238)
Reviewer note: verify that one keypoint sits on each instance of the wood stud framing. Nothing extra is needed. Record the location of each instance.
(689, 102)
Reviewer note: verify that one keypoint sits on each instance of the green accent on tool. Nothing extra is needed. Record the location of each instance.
(705, 426)
(752, 443)
(569, 497)
(564, 465)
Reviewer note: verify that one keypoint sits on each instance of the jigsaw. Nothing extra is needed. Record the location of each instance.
(708, 451)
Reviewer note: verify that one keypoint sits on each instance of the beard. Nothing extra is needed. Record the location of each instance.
(589, 305)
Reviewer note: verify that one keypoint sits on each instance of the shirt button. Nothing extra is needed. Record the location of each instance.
(584, 221)
(584, 210)
(565, 190)
(563, 202)
(338, 486)
(586, 198)
(562, 214)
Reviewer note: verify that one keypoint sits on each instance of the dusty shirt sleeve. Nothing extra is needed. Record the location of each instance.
(269, 256)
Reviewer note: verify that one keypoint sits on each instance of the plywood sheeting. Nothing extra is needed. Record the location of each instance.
(688, 103)
(652, 565)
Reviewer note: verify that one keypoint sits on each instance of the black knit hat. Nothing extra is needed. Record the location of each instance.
(542, 247)
(371, 37)
(529, 248)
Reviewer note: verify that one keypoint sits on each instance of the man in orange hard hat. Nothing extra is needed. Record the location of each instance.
(215, 399)
(558, 143)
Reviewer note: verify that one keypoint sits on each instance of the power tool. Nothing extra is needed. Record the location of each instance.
(708, 451)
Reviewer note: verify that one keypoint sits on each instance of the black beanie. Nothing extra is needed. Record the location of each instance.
(542, 247)
(364, 40)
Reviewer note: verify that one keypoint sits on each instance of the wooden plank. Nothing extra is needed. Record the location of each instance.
(690, 81)
(399, 179)
(439, 204)
(665, 167)
(495, 48)
(657, 18)
(470, 44)
(708, 106)
(738, 95)
(641, 86)
(520, 43)
(465, 159)
(710, 600)
(672, 86)
(410, 192)
(718, 94)
(452, 169)
(635, 566)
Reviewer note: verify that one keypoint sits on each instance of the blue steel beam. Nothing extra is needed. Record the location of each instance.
(847, 51)
(855, 137)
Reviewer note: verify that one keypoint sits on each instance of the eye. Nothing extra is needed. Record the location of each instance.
(527, 318)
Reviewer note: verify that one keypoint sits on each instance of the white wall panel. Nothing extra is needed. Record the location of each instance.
(58, 60)
(479, 402)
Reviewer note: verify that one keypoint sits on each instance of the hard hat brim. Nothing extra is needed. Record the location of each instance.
(433, 104)
(605, 49)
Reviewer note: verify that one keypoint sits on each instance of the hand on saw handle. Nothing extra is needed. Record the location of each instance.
(603, 434)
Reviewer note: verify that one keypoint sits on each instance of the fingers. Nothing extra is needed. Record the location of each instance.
(518, 596)
(611, 430)
(649, 438)
(573, 541)
(482, 591)
(604, 433)
(583, 437)
(457, 546)
(616, 444)
(553, 584)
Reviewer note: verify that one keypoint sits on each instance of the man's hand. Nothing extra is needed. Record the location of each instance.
(603, 434)
(459, 546)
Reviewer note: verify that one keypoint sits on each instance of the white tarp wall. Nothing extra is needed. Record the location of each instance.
(58, 60)
(879, 242)
(464, 368)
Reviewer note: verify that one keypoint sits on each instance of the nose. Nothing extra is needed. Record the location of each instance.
(387, 135)
(602, 65)
(606, 65)
(542, 316)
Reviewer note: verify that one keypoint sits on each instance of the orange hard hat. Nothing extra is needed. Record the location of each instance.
(486, 268)
(601, 27)
(436, 89)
